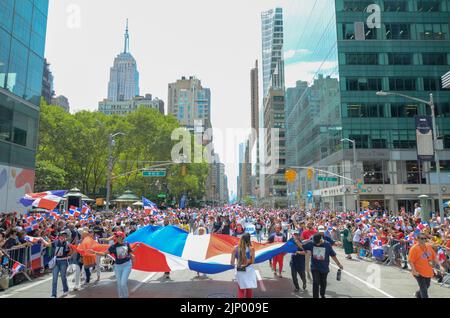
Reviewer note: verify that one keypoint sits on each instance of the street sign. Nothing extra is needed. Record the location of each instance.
(310, 194)
(154, 173)
(331, 179)
(161, 196)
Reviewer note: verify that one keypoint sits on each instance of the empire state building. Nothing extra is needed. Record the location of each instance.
(124, 77)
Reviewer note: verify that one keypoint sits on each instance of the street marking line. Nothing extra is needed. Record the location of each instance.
(258, 276)
(143, 282)
(366, 283)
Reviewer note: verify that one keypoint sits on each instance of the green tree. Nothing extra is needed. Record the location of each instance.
(49, 176)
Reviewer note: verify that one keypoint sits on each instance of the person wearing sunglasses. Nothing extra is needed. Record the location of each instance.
(422, 259)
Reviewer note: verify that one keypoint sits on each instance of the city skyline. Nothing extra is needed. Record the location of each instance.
(91, 45)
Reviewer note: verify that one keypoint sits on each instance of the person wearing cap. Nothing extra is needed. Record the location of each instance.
(321, 251)
(422, 259)
(124, 260)
(62, 252)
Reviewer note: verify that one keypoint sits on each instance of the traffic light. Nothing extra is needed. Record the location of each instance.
(290, 176)
(310, 173)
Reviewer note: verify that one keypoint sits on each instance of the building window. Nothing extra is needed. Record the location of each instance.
(428, 5)
(348, 31)
(431, 84)
(395, 6)
(434, 58)
(5, 123)
(356, 5)
(432, 31)
(414, 173)
(373, 172)
(361, 58)
(362, 141)
(397, 31)
(402, 110)
(402, 84)
(365, 110)
(363, 84)
(443, 110)
(400, 58)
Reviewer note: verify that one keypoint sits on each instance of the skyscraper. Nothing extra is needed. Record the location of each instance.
(254, 151)
(124, 76)
(190, 103)
(272, 184)
(47, 84)
(62, 101)
(23, 27)
(407, 53)
(272, 49)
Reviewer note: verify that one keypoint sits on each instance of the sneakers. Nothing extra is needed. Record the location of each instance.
(65, 294)
(53, 297)
(304, 286)
(167, 276)
(296, 290)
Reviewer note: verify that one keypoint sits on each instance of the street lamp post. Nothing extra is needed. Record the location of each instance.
(110, 167)
(435, 141)
(354, 174)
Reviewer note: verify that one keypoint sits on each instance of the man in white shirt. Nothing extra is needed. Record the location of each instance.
(357, 240)
(417, 211)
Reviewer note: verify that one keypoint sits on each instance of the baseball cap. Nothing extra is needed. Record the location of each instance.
(321, 229)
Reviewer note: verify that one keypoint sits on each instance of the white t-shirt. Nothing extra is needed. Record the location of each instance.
(418, 212)
(357, 236)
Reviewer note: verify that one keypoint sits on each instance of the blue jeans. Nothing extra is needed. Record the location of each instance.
(60, 267)
(258, 236)
(122, 272)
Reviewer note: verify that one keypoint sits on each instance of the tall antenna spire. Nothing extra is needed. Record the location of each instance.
(127, 41)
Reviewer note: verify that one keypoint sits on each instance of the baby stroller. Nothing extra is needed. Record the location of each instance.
(107, 264)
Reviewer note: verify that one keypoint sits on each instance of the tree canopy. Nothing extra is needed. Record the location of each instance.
(73, 152)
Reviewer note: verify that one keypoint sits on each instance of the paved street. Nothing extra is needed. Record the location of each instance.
(394, 282)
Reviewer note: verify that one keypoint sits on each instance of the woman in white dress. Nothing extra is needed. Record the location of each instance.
(245, 273)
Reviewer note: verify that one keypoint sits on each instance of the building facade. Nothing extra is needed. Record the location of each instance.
(61, 101)
(124, 76)
(23, 26)
(272, 186)
(47, 84)
(254, 140)
(406, 53)
(109, 107)
(272, 49)
(190, 103)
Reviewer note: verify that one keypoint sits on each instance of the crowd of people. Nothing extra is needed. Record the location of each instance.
(369, 234)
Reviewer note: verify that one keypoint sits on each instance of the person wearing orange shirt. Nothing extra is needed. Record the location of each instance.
(422, 259)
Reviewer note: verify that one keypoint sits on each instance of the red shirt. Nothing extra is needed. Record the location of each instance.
(308, 233)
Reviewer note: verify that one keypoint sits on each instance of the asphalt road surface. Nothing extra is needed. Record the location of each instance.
(360, 279)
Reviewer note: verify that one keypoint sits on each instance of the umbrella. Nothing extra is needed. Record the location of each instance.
(138, 203)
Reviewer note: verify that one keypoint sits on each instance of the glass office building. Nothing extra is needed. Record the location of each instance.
(23, 26)
(403, 49)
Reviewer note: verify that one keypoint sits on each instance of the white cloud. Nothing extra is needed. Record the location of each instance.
(306, 71)
(291, 53)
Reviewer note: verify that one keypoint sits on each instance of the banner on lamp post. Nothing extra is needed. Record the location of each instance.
(425, 144)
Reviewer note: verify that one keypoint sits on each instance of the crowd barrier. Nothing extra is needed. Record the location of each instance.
(34, 258)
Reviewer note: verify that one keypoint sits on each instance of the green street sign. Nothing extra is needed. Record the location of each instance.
(162, 196)
(330, 179)
(154, 173)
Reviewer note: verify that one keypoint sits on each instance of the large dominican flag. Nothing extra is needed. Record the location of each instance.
(166, 249)
(48, 200)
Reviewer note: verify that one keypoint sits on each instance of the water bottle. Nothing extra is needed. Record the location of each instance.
(339, 274)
